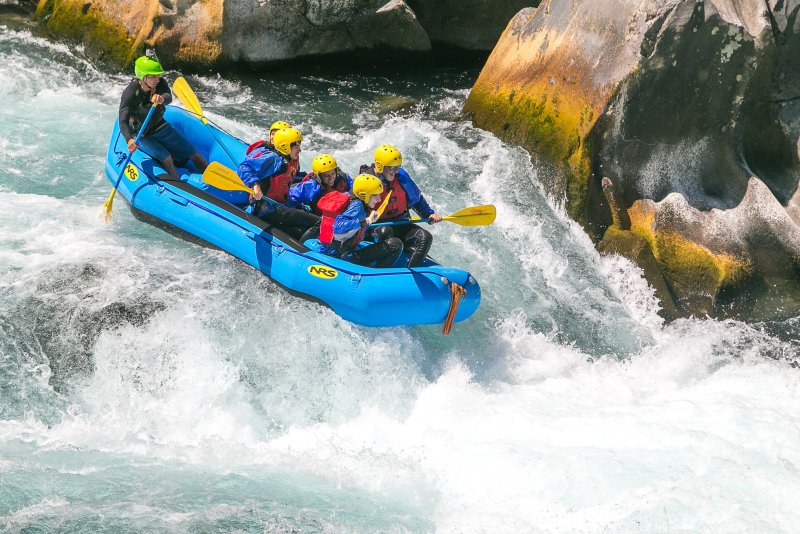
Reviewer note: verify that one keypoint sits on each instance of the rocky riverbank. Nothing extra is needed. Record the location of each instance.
(202, 34)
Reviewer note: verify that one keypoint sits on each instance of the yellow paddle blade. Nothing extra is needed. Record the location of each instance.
(221, 177)
(107, 205)
(187, 96)
(473, 216)
(383, 205)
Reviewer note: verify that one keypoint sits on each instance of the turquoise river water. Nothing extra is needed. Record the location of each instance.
(152, 385)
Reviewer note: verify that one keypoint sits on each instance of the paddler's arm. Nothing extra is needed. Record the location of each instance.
(416, 199)
(254, 169)
(351, 220)
(163, 89)
(125, 103)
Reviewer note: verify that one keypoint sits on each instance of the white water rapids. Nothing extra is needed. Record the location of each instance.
(147, 384)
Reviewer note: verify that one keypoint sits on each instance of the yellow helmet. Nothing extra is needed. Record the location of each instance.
(284, 138)
(387, 155)
(279, 125)
(323, 163)
(366, 185)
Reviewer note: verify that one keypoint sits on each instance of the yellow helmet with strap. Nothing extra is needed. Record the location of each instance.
(284, 138)
(387, 155)
(366, 185)
(323, 163)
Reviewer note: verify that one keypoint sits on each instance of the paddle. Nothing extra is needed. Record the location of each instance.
(471, 216)
(189, 99)
(221, 177)
(383, 205)
(110, 201)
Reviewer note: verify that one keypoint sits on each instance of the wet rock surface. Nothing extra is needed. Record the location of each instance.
(467, 24)
(691, 110)
(220, 34)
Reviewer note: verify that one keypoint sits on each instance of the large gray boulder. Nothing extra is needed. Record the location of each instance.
(467, 24)
(212, 33)
(691, 110)
(257, 31)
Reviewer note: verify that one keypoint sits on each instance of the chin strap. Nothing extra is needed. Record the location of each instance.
(456, 292)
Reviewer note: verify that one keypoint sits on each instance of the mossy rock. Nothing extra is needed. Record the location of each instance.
(636, 248)
(104, 38)
(545, 122)
(694, 274)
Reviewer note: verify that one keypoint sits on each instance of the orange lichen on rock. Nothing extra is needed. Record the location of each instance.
(117, 31)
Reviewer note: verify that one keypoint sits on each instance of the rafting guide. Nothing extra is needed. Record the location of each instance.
(159, 139)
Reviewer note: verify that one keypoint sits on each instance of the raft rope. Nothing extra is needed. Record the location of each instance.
(456, 292)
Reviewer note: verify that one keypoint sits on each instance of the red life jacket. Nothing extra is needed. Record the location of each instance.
(279, 183)
(332, 205)
(254, 146)
(398, 204)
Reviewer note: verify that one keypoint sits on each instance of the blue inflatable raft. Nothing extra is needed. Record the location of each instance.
(196, 211)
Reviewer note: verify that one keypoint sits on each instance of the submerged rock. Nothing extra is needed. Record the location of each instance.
(394, 104)
(67, 313)
(691, 109)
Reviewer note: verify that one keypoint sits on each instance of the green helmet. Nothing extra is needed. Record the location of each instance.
(146, 65)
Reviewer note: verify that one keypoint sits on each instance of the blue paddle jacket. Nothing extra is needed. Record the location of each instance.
(259, 165)
(309, 191)
(414, 196)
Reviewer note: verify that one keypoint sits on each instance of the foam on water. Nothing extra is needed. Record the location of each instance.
(147, 383)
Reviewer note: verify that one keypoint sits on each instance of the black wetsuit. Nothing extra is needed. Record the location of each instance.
(134, 105)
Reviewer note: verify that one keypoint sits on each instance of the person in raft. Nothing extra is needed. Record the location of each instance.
(326, 176)
(405, 194)
(161, 140)
(270, 173)
(345, 220)
(269, 142)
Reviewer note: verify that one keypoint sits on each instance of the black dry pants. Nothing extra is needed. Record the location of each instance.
(412, 236)
(292, 221)
(384, 253)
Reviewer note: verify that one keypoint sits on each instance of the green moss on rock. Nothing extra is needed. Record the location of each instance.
(545, 122)
(695, 275)
(103, 37)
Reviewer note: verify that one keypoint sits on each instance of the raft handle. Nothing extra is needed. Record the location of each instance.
(456, 292)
